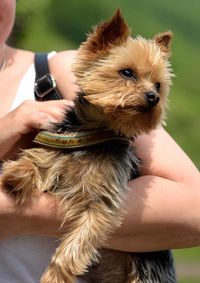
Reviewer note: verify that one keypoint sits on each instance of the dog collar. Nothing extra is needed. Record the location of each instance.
(77, 140)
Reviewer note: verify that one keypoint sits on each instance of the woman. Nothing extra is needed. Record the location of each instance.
(159, 202)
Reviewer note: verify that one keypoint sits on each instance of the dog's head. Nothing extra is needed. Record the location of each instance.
(127, 78)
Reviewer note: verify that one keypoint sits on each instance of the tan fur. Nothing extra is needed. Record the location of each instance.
(121, 100)
(91, 185)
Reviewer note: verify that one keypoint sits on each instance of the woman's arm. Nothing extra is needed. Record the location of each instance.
(163, 210)
(60, 67)
(164, 203)
(37, 217)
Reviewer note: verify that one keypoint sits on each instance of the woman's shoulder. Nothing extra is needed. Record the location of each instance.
(24, 56)
(18, 61)
(65, 55)
(60, 67)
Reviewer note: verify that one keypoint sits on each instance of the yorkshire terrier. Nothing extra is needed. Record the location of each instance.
(87, 160)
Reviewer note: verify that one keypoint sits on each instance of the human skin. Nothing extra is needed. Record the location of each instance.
(163, 204)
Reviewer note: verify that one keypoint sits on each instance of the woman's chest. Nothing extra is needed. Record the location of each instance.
(8, 89)
(13, 77)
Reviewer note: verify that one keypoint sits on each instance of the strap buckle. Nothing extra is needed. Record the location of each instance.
(44, 85)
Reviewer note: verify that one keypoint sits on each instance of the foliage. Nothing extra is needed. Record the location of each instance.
(77, 18)
(26, 11)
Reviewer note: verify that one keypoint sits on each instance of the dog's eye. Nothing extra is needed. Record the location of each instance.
(128, 73)
(157, 86)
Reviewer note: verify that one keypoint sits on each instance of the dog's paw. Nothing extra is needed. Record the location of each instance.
(55, 274)
(19, 178)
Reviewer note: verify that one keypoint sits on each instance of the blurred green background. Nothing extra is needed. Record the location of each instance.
(44, 25)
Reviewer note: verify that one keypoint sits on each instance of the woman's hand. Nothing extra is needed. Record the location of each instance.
(40, 216)
(29, 116)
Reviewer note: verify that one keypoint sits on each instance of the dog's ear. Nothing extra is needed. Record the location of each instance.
(108, 34)
(163, 40)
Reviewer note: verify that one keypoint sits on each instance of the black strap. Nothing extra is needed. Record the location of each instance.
(45, 85)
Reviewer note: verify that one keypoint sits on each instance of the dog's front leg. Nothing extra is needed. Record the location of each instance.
(79, 248)
(25, 176)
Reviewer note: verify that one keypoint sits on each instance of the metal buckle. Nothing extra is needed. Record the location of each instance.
(44, 85)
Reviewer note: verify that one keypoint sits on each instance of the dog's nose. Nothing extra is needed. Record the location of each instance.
(152, 98)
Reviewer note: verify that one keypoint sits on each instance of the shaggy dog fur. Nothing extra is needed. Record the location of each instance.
(124, 84)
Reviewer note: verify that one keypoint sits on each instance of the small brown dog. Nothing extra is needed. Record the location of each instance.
(88, 159)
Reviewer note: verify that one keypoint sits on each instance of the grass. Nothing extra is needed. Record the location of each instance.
(188, 255)
(189, 280)
(188, 261)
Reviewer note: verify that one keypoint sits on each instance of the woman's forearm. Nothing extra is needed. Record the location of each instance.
(161, 214)
(39, 216)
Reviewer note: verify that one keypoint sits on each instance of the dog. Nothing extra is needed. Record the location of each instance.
(87, 160)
